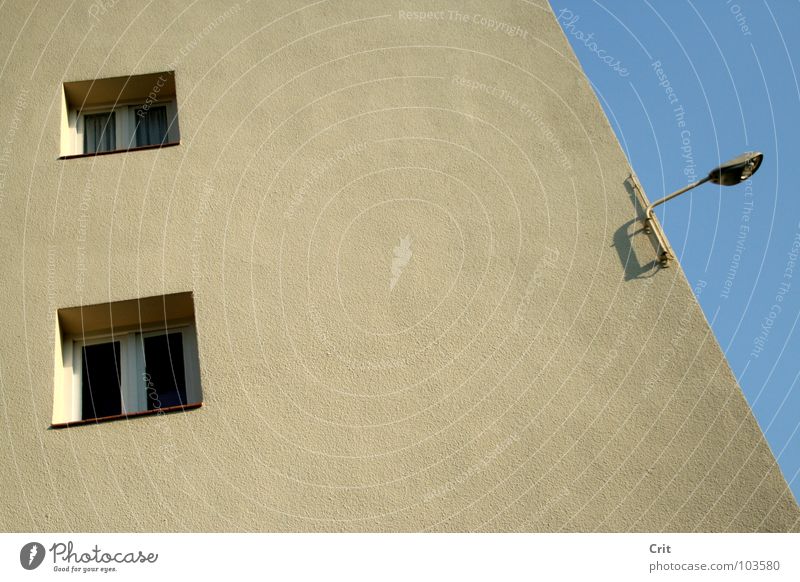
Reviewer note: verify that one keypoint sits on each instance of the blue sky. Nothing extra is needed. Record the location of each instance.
(687, 85)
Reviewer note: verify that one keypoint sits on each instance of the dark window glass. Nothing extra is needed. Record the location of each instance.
(164, 374)
(151, 126)
(99, 133)
(100, 366)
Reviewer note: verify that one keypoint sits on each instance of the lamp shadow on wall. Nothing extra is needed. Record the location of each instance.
(623, 237)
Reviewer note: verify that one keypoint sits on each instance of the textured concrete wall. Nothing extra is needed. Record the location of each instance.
(419, 302)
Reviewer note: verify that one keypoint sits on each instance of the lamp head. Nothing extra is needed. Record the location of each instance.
(736, 170)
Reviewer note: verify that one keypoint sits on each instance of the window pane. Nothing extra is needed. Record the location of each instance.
(100, 365)
(151, 126)
(99, 133)
(164, 374)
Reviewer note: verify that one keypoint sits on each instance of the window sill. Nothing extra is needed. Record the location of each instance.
(165, 410)
(136, 149)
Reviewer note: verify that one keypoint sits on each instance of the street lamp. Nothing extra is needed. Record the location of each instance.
(730, 173)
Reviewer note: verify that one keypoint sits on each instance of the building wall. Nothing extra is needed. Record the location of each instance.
(524, 367)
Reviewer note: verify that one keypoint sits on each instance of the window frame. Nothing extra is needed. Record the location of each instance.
(77, 368)
(125, 125)
(134, 392)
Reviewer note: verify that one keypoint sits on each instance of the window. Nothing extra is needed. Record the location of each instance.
(145, 362)
(134, 372)
(119, 114)
(100, 378)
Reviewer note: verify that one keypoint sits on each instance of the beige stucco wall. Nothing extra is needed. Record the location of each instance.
(517, 376)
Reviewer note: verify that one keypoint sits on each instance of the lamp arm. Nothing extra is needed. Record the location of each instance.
(649, 212)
